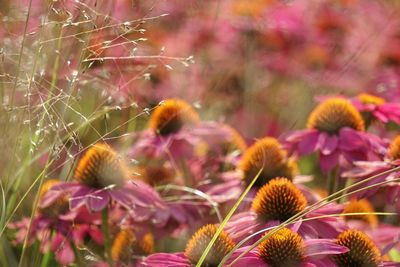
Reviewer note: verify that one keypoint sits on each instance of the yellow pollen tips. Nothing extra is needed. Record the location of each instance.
(125, 246)
(199, 241)
(100, 167)
(59, 206)
(370, 99)
(284, 248)
(279, 200)
(361, 205)
(335, 114)
(170, 116)
(394, 149)
(363, 251)
(266, 154)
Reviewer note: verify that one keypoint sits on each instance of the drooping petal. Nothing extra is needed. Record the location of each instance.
(350, 140)
(309, 142)
(97, 201)
(62, 250)
(328, 162)
(329, 145)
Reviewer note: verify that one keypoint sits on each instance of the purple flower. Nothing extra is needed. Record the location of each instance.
(366, 169)
(336, 130)
(278, 201)
(194, 249)
(373, 107)
(287, 248)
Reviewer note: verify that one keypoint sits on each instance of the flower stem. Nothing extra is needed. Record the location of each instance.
(104, 229)
(46, 259)
(332, 181)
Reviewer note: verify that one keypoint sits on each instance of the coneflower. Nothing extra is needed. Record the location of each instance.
(374, 108)
(194, 249)
(361, 206)
(100, 167)
(335, 129)
(171, 115)
(333, 115)
(127, 247)
(289, 249)
(52, 205)
(276, 202)
(266, 154)
(362, 250)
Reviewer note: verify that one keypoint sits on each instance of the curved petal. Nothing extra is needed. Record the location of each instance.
(328, 162)
(249, 259)
(350, 140)
(329, 145)
(165, 260)
(97, 201)
(308, 143)
(318, 247)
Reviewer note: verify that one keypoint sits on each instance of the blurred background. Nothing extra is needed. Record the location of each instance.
(76, 72)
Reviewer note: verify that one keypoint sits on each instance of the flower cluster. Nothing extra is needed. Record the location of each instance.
(245, 168)
(184, 178)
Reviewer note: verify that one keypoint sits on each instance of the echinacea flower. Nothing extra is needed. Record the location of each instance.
(376, 108)
(195, 164)
(289, 249)
(366, 169)
(171, 115)
(194, 249)
(128, 247)
(101, 177)
(268, 156)
(278, 201)
(362, 251)
(55, 227)
(384, 235)
(336, 130)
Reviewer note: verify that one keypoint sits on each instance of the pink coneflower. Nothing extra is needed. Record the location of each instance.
(267, 155)
(56, 228)
(278, 201)
(362, 251)
(376, 108)
(194, 249)
(101, 177)
(289, 249)
(366, 169)
(384, 235)
(336, 130)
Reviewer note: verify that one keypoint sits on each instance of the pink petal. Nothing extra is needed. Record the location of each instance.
(328, 162)
(330, 144)
(308, 143)
(349, 140)
(97, 201)
(316, 247)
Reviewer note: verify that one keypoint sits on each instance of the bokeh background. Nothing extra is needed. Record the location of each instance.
(76, 72)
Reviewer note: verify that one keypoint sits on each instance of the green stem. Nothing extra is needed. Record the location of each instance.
(104, 229)
(46, 259)
(332, 181)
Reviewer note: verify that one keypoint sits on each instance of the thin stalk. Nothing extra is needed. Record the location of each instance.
(46, 259)
(104, 229)
(227, 218)
(20, 54)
